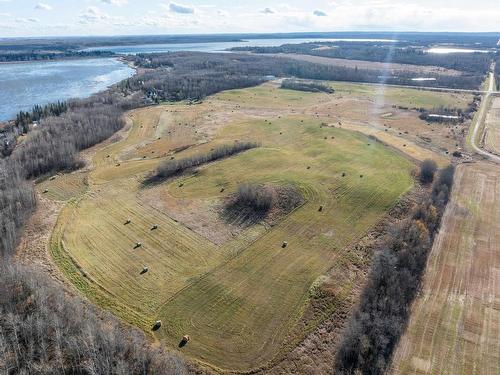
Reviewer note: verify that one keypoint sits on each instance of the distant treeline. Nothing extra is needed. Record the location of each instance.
(382, 315)
(174, 167)
(478, 63)
(194, 75)
(292, 84)
(41, 56)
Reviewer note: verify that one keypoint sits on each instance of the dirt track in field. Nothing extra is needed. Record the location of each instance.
(455, 323)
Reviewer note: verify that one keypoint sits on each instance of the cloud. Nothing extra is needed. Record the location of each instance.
(115, 2)
(267, 11)
(319, 13)
(93, 14)
(27, 20)
(182, 9)
(42, 6)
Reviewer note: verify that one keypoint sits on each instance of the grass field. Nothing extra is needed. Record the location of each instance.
(238, 299)
(492, 127)
(454, 328)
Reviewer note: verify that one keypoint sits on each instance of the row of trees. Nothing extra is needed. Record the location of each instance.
(395, 277)
(293, 84)
(177, 166)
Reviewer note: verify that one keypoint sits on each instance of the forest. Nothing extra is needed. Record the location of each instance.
(44, 331)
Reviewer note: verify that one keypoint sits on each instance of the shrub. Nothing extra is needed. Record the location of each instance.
(255, 197)
(427, 171)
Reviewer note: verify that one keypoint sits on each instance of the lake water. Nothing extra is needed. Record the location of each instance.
(455, 50)
(218, 46)
(23, 85)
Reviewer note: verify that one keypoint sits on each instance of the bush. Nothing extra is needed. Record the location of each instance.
(427, 171)
(255, 197)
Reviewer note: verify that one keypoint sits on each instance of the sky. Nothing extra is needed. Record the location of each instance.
(20, 18)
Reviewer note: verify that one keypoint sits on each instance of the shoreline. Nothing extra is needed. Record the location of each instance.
(117, 58)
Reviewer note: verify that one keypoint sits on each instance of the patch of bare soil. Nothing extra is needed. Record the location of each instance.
(315, 354)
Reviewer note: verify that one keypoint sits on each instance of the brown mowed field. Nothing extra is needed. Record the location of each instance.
(455, 323)
(492, 130)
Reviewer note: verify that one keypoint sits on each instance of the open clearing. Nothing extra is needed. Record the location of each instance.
(238, 296)
(455, 323)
